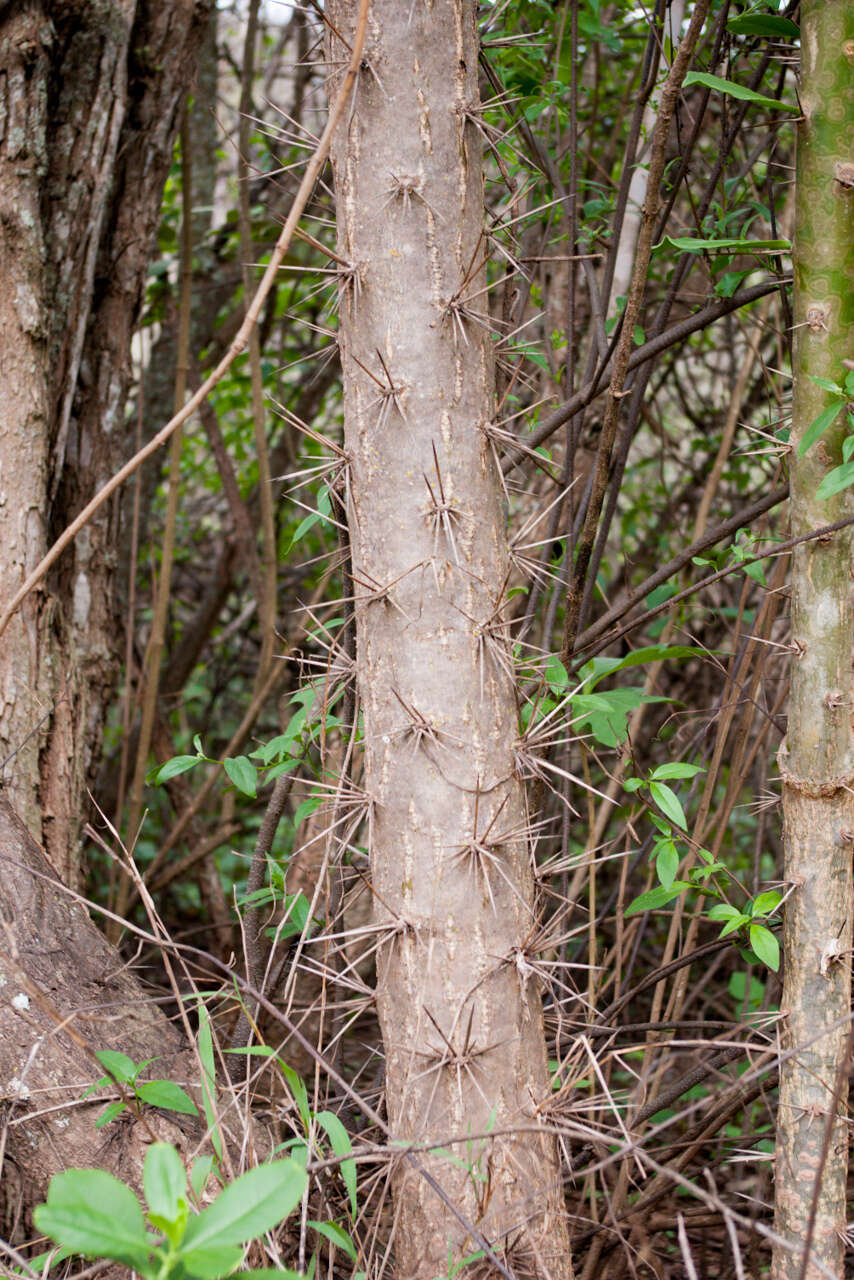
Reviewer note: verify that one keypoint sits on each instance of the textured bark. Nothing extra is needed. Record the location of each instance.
(62, 985)
(451, 860)
(89, 96)
(817, 760)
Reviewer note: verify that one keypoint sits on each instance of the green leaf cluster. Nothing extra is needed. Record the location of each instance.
(90, 1212)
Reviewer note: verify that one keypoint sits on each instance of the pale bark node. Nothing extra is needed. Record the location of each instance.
(450, 851)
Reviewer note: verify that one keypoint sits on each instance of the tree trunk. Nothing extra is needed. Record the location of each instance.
(817, 760)
(450, 847)
(90, 92)
(89, 98)
(65, 988)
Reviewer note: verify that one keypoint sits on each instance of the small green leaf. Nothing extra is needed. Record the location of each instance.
(817, 429)
(555, 673)
(827, 385)
(765, 945)
(696, 244)
(658, 897)
(667, 863)
(91, 1212)
(206, 1056)
(668, 803)
(249, 1206)
(309, 806)
(336, 1235)
(723, 911)
(677, 770)
(836, 480)
(119, 1065)
(211, 1263)
(171, 769)
(296, 1084)
(766, 902)
(763, 24)
(199, 1174)
(342, 1146)
(168, 1095)
(733, 90)
(738, 921)
(164, 1182)
(242, 773)
(109, 1113)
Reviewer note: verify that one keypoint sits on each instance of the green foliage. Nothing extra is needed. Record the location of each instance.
(90, 1212)
(156, 1093)
(709, 879)
(733, 90)
(840, 477)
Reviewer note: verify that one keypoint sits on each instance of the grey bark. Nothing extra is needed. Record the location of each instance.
(450, 850)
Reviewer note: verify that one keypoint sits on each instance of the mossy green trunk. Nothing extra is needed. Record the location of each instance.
(817, 759)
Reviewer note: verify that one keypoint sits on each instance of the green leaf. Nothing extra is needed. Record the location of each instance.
(206, 1056)
(167, 1094)
(737, 922)
(109, 1113)
(199, 1174)
(766, 902)
(836, 480)
(658, 897)
(695, 244)
(341, 1145)
(817, 429)
(827, 385)
(763, 24)
(171, 769)
(677, 770)
(89, 1211)
(119, 1065)
(164, 1181)
(668, 803)
(723, 911)
(211, 1263)
(336, 1235)
(243, 774)
(307, 807)
(249, 1206)
(555, 673)
(296, 1084)
(765, 945)
(667, 863)
(733, 90)
(597, 668)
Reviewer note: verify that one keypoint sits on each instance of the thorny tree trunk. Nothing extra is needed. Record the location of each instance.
(451, 857)
(89, 97)
(817, 762)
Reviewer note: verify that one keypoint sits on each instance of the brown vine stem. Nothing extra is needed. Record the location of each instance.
(238, 344)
